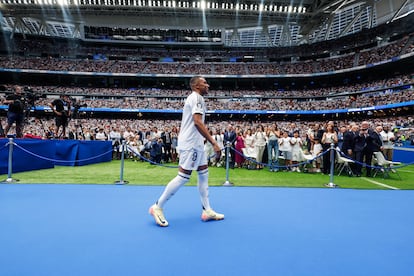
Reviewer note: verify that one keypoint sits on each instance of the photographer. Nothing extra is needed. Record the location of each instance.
(15, 113)
(61, 109)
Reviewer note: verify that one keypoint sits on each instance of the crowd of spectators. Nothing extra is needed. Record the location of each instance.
(385, 52)
(333, 63)
(140, 135)
(357, 88)
(249, 104)
(87, 128)
(345, 44)
(353, 96)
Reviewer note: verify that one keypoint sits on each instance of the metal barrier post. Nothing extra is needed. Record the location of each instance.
(331, 183)
(121, 174)
(227, 183)
(10, 164)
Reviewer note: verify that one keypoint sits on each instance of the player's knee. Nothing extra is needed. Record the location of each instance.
(202, 168)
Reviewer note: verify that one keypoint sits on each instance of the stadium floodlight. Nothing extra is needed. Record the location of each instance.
(260, 7)
(203, 5)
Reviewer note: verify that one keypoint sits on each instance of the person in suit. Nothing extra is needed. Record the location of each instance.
(373, 144)
(366, 143)
(349, 143)
(230, 137)
(374, 141)
(359, 146)
(348, 140)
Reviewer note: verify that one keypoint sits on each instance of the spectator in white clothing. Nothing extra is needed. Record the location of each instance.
(388, 139)
(286, 149)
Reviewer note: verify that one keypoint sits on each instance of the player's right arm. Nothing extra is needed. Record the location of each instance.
(201, 127)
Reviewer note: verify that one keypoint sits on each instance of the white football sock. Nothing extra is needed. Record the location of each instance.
(203, 188)
(172, 188)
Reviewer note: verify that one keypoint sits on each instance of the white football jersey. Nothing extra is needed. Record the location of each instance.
(189, 137)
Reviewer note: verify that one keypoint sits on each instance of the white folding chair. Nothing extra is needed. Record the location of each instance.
(344, 163)
(308, 158)
(384, 166)
(250, 161)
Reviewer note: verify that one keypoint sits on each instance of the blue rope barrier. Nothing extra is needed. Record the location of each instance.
(284, 166)
(138, 154)
(130, 149)
(363, 164)
(4, 147)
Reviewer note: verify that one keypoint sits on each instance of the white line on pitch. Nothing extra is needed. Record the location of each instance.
(406, 171)
(380, 184)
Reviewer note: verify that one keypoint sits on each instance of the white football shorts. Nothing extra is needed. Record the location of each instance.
(192, 159)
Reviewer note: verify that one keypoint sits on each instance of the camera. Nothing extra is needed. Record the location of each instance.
(31, 96)
(76, 106)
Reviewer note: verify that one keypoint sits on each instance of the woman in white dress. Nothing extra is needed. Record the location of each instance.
(329, 136)
(249, 145)
(260, 145)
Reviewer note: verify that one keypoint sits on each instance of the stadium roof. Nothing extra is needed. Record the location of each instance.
(260, 23)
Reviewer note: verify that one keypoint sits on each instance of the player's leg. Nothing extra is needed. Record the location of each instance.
(172, 187)
(19, 125)
(202, 183)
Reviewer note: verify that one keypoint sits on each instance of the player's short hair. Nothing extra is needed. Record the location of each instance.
(194, 80)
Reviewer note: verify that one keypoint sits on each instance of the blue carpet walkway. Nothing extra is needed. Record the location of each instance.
(106, 230)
